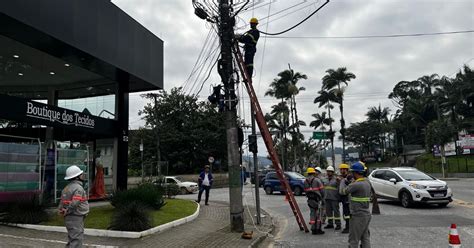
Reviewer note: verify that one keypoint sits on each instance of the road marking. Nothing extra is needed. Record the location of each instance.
(463, 203)
(53, 241)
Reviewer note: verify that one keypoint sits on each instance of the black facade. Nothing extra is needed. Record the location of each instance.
(54, 49)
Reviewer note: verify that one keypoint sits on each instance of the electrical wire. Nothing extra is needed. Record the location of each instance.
(373, 36)
(210, 53)
(197, 60)
(208, 75)
(299, 23)
(263, 53)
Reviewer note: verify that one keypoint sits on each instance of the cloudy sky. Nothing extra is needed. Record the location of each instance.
(378, 63)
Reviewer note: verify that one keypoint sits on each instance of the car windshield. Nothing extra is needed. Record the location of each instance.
(295, 175)
(178, 179)
(413, 175)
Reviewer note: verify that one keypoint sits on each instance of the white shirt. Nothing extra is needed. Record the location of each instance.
(205, 182)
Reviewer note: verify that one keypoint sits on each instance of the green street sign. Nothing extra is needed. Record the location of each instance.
(320, 135)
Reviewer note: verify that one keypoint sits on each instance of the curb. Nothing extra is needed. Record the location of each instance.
(260, 239)
(115, 234)
(449, 179)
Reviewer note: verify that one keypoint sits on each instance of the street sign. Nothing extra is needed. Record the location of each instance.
(211, 159)
(320, 135)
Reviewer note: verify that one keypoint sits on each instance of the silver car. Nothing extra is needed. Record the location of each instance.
(409, 185)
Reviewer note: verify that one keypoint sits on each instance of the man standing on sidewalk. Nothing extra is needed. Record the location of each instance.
(205, 183)
(74, 206)
(359, 193)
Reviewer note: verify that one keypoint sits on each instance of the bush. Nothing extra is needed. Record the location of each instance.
(26, 210)
(133, 216)
(172, 190)
(147, 194)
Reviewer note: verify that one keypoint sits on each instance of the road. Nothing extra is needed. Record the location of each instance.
(422, 226)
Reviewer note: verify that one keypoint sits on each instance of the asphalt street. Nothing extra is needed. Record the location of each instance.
(421, 226)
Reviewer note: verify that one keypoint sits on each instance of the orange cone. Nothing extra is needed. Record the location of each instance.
(454, 241)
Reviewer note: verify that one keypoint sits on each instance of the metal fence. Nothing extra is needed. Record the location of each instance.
(453, 165)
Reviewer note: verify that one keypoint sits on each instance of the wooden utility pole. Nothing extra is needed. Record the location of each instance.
(226, 33)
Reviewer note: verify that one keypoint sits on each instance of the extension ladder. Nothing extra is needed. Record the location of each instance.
(262, 124)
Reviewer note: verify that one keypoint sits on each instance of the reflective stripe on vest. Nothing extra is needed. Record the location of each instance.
(360, 199)
(253, 38)
(331, 188)
(79, 198)
(314, 189)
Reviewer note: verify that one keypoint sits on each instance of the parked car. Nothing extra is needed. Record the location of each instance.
(272, 183)
(409, 185)
(185, 187)
(261, 176)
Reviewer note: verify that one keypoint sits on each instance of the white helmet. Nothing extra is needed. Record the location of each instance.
(318, 169)
(330, 168)
(72, 172)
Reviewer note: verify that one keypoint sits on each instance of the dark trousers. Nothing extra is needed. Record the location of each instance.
(248, 57)
(201, 189)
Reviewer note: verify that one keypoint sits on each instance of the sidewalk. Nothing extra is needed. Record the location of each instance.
(210, 229)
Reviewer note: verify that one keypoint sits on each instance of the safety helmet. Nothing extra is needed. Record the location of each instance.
(310, 170)
(343, 166)
(330, 168)
(73, 172)
(357, 167)
(318, 169)
(253, 20)
(365, 167)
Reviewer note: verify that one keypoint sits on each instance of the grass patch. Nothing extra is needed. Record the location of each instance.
(100, 217)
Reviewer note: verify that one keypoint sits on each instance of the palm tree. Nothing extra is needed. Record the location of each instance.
(320, 120)
(325, 98)
(380, 116)
(334, 79)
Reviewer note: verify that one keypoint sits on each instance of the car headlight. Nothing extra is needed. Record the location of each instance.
(417, 186)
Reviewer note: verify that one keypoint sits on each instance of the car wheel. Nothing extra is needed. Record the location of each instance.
(443, 205)
(268, 190)
(405, 199)
(184, 191)
(298, 191)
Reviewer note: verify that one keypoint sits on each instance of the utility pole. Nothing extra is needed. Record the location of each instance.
(253, 147)
(226, 31)
(157, 134)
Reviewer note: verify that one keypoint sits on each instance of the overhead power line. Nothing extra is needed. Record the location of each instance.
(372, 36)
(299, 23)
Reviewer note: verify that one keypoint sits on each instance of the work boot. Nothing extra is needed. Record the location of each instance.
(338, 227)
(328, 226)
(317, 232)
(346, 228)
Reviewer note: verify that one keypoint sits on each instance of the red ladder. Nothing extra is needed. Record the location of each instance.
(262, 124)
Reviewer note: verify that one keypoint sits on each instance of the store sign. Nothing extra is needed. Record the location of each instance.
(65, 117)
(36, 113)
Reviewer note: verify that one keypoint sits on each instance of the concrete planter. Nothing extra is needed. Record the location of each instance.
(116, 234)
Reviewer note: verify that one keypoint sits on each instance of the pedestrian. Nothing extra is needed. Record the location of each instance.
(74, 206)
(250, 39)
(359, 196)
(205, 183)
(332, 200)
(243, 176)
(345, 178)
(313, 188)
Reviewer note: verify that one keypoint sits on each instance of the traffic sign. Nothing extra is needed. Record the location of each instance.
(320, 135)
(211, 159)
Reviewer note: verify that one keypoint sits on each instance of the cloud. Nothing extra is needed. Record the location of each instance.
(378, 63)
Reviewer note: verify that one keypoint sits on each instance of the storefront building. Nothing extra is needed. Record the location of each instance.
(66, 71)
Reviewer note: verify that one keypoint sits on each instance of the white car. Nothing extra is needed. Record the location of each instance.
(185, 187)
(409, 185)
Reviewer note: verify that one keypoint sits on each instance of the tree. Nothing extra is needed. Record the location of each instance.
(324, 99)
(440, 132)
(332, 81)
(380, 115)
(320, 120)
(189, 131)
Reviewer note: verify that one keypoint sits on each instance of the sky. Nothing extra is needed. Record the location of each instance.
(378, 63)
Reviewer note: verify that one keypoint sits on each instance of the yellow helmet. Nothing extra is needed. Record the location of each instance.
(310, 170)
(343, 166)
(254, 20)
